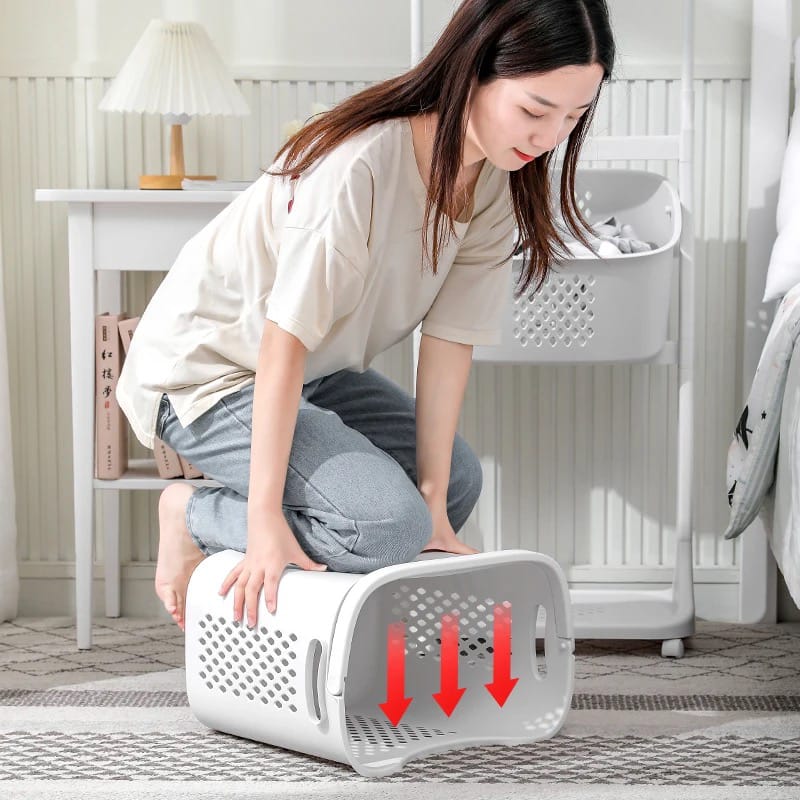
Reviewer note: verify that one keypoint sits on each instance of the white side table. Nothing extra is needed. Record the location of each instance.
(110, 232)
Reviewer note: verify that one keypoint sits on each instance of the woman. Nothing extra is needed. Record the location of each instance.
(396, 207)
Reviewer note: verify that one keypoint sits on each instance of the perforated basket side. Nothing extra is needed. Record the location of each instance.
(561, 314)
(266, 683)
(261, 664)
(592, 310)
(534, 709)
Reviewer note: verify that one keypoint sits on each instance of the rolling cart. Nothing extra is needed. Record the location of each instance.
(615, 310)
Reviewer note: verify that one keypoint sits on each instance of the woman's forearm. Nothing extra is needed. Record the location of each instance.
(442, 374)
(276, 399)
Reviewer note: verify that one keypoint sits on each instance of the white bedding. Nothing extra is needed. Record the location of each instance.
(768, 435)
(784, 525)
(783, 271)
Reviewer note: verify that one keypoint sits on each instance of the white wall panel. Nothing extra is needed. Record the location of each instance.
(578, 462)
(356, 37)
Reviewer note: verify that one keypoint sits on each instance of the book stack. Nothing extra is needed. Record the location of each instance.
(111, 440)
(113, 335)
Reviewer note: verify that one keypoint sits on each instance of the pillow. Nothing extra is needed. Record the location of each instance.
(784, 264)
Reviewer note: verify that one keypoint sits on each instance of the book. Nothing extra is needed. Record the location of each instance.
(111, 428)
(189, 469)
(187, 184)
(126, 328)
(168, 462)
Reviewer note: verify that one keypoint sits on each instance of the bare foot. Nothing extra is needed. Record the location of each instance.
(177, 553)
(450, 545)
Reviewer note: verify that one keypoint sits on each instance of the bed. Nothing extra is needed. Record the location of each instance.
(763, 466)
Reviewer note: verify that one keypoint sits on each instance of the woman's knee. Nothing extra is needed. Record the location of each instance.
(398, 535)
(466, 482)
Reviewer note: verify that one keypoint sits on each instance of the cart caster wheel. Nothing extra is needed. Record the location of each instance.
(672, 648)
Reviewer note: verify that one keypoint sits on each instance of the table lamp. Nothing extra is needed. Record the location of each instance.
(176, 71)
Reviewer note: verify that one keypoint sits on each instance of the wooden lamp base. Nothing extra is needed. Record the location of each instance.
(176, 167)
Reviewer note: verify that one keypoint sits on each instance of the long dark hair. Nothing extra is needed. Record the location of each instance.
(485, 39)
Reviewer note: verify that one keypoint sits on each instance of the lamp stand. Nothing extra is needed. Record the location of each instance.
(176, 167)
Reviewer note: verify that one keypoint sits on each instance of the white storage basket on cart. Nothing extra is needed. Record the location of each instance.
(594, 310)
(313, 676)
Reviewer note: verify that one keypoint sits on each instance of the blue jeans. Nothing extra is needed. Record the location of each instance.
(351, 494)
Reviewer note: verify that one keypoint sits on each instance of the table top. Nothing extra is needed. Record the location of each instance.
(136, 195)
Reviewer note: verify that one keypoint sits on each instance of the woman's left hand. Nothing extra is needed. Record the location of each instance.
(444, 537)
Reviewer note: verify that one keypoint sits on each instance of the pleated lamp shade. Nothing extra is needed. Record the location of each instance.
(174, 70)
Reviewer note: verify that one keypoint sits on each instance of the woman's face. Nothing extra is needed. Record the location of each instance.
(514, 120)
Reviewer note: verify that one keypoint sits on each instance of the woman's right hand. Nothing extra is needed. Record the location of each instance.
(271, 546)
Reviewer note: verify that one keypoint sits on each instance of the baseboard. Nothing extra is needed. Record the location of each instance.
(48, 589)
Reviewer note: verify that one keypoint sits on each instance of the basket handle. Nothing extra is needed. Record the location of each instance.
(313, 683)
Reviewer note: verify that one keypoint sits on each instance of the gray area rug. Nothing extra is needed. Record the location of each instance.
(724, 722)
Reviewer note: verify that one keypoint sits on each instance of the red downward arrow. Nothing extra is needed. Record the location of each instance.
(450, 695)
(396, 704)
(503, 684)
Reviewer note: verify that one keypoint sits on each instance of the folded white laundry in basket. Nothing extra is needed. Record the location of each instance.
(611, 239)
(603, 249)
(622, 236)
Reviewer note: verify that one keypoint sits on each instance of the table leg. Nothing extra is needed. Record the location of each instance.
(111, 551)
(82, 309)
(109, 298)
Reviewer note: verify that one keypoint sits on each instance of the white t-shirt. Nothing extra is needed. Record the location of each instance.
(342, 272)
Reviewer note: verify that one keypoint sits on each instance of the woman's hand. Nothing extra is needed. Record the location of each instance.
(271, 546)
(444, 537)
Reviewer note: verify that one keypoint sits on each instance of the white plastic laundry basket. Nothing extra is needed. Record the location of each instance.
(313, 676)
(601, 310)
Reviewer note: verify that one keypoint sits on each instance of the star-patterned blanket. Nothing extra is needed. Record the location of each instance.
(753, 452)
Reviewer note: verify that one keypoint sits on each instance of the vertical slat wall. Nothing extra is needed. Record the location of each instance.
(579, 462)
